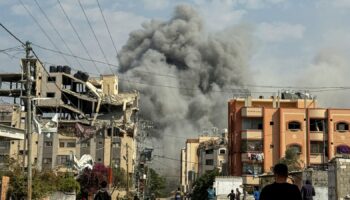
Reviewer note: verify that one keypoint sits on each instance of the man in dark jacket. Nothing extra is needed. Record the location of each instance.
(307, 191)
(103, 194)
(232, 195)
(280, 189)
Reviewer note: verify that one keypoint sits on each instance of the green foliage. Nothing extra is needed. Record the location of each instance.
(68, 184)
(156, 183)
(43, 183)
(292, 160)
(203, 183)
(119, 177)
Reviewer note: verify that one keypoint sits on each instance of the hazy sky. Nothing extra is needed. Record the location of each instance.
(296, 42)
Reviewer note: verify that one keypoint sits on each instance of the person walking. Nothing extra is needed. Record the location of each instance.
(280, 189)
(103, 194)
(178, 194)
(308, 191)
(238, 194)
(256, 193)
(232, 195)
(211, 193)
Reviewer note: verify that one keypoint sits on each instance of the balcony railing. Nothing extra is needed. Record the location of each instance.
(252, 134)
(251, 112)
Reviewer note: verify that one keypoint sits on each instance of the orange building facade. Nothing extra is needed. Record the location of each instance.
(261, 130)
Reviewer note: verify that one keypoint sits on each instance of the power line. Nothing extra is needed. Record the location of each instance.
(42, 29)
(8, 31)
(76, 33)
(110, 35)
(95, 36)
(58, 33)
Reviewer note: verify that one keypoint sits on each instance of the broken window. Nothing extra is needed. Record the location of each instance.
(342, 126)
(294, 125)
(317, 125)
(209, 151)
(250, 168)
(50, 94)
(51, 79)
(48, 144)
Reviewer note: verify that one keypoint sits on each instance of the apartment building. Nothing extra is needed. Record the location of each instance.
(212, 154)
(261, 130)
(93, 117)
(190, 160)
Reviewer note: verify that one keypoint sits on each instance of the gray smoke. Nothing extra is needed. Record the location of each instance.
(201, 70)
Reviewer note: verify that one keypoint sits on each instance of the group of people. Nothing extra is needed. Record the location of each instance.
(278, 190)
(237, 195)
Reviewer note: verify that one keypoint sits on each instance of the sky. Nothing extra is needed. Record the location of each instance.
(295, 42)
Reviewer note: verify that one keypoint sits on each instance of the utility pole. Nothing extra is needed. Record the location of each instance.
(127, 168)
(29, 119)
(112, 137)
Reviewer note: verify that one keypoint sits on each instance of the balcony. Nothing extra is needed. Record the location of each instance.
(253, 157)
(317, 136)
(251, 112)
(317, 158)
(252, 135)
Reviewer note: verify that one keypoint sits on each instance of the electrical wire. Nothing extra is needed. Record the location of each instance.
(58, 33)
(76, 33)
(109, 33)
(95, 36)
(43, 30)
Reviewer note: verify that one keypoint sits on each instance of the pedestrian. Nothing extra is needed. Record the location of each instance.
(244, 194)
(178, 194)
(103, 194)
(232, 195)
(256, 193)
(211, 193)
(280, 189)
(308, 191)
(238, 194)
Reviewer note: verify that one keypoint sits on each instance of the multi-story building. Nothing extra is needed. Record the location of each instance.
(261, 130)
(190, 160)
(212, 154)
(93, 117)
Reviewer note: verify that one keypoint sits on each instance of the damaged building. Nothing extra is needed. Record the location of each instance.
(91, 115)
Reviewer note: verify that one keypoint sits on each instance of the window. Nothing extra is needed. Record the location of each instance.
(21, 152)
(296, 148)
(47, 160)
(50, 94)
(209, 162)
(209, 151)
(342, 127)
(252, 123)
(316, 147)
(4, 144)
(51, 79)
(222, 151)
(48, 144)
(317, 125)
(294, 125)
(249, 168)
(62, 159)
(70, 144)
(343, 149)
(85, 144)
(61, 144)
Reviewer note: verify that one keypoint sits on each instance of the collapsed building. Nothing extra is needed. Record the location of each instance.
(91, 115)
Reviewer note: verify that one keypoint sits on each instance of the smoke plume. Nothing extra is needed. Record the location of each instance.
(185, 75)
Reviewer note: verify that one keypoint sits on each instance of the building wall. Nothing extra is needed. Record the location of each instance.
(277, 137)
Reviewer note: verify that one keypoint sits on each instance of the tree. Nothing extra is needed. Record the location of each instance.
(201, 185)
(119, 176)
(156, 183)
(292, 160)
